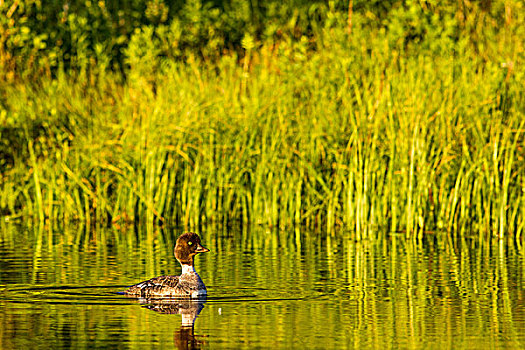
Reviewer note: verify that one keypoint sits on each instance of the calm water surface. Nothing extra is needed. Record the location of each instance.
(266, 289)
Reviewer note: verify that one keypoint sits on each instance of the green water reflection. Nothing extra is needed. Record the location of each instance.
(267, 289)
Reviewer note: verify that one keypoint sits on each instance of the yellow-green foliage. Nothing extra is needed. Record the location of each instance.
(355, 130)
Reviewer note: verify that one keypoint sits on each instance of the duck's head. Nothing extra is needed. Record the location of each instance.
(188, 245)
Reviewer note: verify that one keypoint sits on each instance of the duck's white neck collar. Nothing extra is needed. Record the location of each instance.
(187, 269)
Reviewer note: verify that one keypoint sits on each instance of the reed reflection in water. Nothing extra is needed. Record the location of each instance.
(267, 289)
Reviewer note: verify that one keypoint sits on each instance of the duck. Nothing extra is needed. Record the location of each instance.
(188, 284)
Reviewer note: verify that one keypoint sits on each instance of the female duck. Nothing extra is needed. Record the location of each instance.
(188, 284)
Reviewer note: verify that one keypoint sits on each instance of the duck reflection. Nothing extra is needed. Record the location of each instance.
(189, 309)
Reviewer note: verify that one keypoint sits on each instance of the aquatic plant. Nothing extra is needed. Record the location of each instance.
(405, 129)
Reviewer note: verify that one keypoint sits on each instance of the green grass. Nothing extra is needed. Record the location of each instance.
(353, 135)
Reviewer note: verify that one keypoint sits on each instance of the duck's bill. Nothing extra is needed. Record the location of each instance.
(201, 249)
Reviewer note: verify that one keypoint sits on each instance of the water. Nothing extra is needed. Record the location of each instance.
(278, 289)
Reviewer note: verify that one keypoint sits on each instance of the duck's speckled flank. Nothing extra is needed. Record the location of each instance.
(169, 286)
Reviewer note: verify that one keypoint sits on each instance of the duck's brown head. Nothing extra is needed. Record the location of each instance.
(188, 245)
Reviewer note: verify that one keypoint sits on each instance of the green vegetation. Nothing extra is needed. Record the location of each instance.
(407, 117)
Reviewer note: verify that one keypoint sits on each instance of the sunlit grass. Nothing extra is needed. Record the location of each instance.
(345, 138)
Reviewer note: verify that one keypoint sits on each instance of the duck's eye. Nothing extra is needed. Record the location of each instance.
(190, 243)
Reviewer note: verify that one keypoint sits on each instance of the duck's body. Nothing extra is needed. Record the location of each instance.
(185, 285)
(188, 284)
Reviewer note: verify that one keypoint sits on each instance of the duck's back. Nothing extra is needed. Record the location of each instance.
(186, 285)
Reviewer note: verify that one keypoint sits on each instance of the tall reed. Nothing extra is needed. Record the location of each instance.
(351, 135)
